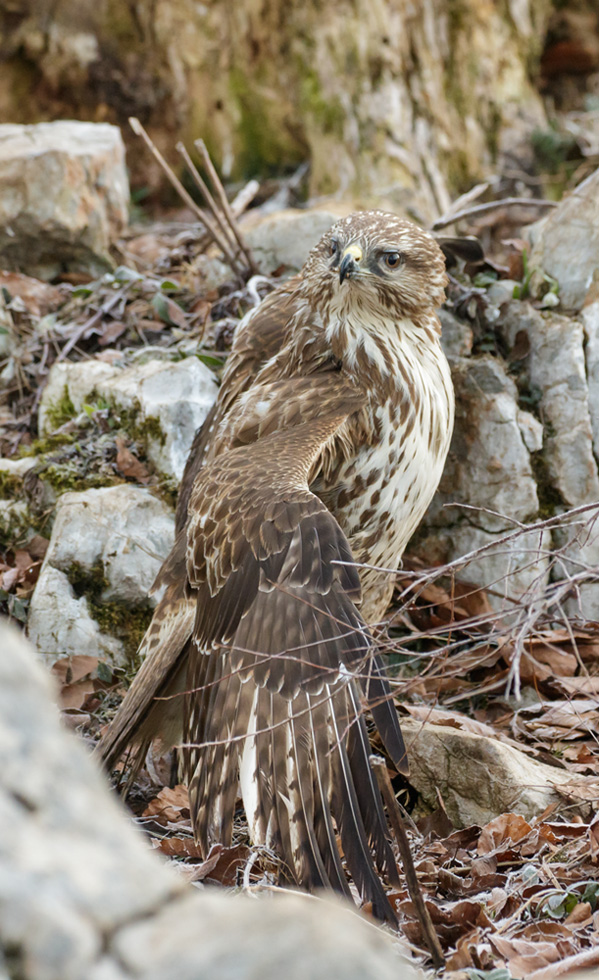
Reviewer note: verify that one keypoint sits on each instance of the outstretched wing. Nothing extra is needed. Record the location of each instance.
(279, 672)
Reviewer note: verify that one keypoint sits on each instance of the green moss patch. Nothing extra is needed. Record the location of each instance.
(128, 624)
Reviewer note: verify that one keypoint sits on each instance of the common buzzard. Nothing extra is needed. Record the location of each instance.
(306, 481)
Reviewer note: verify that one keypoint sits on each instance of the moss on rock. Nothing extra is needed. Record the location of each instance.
(60, 411)
(127, 623)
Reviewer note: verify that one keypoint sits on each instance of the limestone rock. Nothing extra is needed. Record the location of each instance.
(14, 516)
(125, 528)
(64, 195)
(557, 369)
(285, 237)
(456, 335)
(478, 777)
(170, 400)
(566, 245)
(488, 464)
(83, 898)
(510, 571)
(590, 319)
(325, 941)
(111, 541)
(60, 623)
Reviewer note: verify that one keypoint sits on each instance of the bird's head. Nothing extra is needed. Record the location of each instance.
(379, 259)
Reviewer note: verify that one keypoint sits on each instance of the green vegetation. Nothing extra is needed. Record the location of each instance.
(550, 500)
(61, 411)
(128, 624)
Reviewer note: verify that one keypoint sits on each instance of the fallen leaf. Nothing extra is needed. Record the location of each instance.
(69, 670)
(170, 806)
(38, 297)
(222, 866)
(111, 331)
(507, 827)
(178, 847)
(523, 957)
(128, 464)
(593, 832)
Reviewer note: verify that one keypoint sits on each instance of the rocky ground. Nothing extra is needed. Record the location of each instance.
(492, 638)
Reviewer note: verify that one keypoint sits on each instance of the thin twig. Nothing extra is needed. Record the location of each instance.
(212, 229)
(206, 193)
(224, 202)
(428, 930)
(531, 202)
(244, 198)
(91, 322)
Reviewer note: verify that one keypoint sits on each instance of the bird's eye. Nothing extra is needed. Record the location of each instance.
(392, 259)
(334, 247)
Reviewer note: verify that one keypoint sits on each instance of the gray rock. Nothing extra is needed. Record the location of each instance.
(557, 369)
(456, 335)
(178, 395)
(125, 528)
(285, 237)
(566, 244)
(501, 292)
(291, 936)
(14, 515)
(117, 534)
(83, 898)
(17, 467)
(478, 777)
(61, 625)
(510, 571)
(488, 464)
(170, 399)
(78, 380)
(590, 320)
(563, 369)
(531, 431)
(64, 195)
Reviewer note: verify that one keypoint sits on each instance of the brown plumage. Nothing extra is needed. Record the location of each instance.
(320, 456)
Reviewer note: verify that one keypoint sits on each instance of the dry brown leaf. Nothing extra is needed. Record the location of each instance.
(170, 806)
(577, 961)
(580, 685)
(128, 464)
(69, 670)
(593, 832)
(76, 683)
(111, 331)
(178, 847)
(75, 695)
(580, 916)
(508, 827)
(221, 865)
(37, 546)
(523, 957)
(38, 297)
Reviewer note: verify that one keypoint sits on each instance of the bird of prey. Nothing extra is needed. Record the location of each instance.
(303, 486)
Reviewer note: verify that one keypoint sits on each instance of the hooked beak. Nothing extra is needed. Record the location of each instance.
(350, 260)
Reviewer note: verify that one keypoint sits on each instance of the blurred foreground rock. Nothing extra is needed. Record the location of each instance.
(82, 897)
(64, 196)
